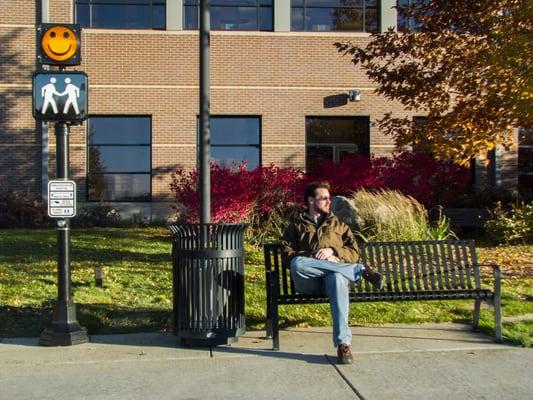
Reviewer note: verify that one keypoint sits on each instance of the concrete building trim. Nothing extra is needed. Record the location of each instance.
(20, 144)
(228, 87)
(17, 26)
(282, 16)
(388, 15)
(332, 88)
(339, 35)
(16, 85)
(45, 11)
(174, 15)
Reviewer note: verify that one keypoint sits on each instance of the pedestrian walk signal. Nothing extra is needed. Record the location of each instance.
(60, 96)
(59, 44)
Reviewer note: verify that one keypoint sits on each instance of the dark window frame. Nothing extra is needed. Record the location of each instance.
(364, 7)
(88, 172)
(258, 7)
(259, 146)
(90, 4)
(339, 145)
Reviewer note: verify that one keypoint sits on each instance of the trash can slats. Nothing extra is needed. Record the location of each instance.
(208, 282)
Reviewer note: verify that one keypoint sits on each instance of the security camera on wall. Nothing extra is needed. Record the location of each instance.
(354, 95)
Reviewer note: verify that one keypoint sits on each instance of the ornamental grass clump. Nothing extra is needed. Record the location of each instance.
(388, 215)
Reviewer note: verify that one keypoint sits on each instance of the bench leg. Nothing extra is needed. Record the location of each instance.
(497, 313)
(269, 328)
(498, 320)
(477, 307)
(269, 316)
(268, 306)
(275, 326)
(497, 305)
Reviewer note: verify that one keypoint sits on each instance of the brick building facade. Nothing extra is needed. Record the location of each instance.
(281, 79)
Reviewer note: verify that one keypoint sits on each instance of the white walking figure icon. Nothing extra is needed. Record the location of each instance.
(72, 92)
(47, 92)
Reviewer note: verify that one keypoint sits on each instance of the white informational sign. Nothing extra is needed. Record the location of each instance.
(61, 199)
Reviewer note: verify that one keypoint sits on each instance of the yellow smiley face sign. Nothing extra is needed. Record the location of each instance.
(59, 44)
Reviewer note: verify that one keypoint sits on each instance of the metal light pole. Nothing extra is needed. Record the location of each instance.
(205, 135)
(208, 259)
(65, 329)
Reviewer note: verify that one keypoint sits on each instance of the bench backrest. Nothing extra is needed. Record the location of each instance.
(407, 266)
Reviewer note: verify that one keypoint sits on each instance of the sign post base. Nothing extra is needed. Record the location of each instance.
(65, 329)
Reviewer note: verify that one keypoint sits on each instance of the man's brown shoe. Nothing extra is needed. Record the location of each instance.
(375, 278)
(344, 354)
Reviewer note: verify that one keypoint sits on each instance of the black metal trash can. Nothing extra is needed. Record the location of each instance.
(208, 283)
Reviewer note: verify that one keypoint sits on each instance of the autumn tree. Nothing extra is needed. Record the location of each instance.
(465, 64)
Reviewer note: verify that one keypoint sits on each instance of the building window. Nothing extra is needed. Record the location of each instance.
(334, 15)
(119, 161)
(121, 14)
(525, 163)
(419, 123)
(424, 145)
(335, 138)
(405, 23)
(232, 15)
(236, 140)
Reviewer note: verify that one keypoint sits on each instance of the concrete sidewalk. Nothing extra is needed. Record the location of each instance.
(430, 361)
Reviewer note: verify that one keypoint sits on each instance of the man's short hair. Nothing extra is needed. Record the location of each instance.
(310, 190)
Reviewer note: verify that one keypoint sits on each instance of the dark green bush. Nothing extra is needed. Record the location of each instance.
(514, 225)
(22, 210)
(101, 215)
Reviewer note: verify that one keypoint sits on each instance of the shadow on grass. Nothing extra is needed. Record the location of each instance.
(87, 254)
(107, 319)
(24, 321)
(96, 318)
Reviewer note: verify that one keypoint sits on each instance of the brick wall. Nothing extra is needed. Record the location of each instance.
(283, 77)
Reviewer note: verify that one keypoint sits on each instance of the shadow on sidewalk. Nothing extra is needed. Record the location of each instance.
(308, 358)
(477, 337)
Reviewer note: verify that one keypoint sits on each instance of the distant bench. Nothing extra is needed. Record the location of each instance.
(467, 217)
(420, 270)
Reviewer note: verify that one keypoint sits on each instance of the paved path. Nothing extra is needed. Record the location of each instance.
(437, 361)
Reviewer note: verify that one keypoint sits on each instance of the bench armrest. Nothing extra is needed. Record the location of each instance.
(497, 273)
(496, 270)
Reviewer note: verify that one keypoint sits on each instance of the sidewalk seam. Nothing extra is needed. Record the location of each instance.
(354, 389)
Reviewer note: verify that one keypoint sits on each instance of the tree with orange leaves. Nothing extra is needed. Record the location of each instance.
(465, 64)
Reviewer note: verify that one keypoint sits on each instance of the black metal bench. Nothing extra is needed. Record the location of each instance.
(422, 270)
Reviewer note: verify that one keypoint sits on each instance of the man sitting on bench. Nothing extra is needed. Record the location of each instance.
(322, 253)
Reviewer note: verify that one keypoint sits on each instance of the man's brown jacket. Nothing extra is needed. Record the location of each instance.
(304, 237)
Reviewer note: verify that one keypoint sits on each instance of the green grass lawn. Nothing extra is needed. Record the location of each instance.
(137, 291)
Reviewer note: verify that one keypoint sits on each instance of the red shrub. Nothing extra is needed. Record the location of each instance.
(430, 181)
(351, 174)
(238, 194)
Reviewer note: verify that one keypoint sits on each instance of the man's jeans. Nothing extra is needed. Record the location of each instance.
(311, 275)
